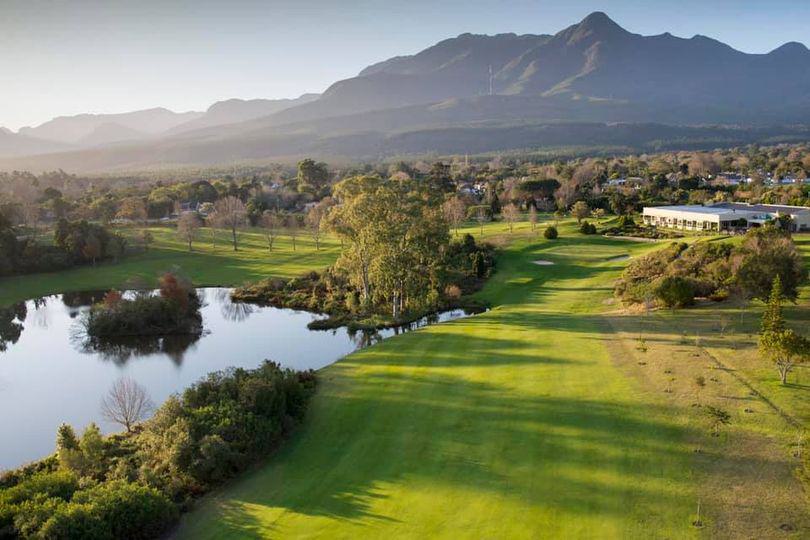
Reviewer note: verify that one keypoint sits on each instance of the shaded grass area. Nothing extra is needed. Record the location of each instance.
(514, 423)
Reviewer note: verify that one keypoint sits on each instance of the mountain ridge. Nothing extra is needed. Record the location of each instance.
(592, 71)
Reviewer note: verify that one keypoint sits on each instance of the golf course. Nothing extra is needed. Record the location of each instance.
(542, 417)
(537, 418)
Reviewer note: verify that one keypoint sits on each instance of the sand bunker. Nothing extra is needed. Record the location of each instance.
(541, 262)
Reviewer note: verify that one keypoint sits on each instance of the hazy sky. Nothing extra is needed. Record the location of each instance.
(60, 57)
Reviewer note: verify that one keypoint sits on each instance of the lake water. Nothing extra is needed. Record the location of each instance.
(50, 375)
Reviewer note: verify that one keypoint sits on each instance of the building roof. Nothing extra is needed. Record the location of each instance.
(721, 209)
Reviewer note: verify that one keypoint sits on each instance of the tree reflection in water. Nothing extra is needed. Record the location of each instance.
(11, 324)
(120, 350)
(232, 311)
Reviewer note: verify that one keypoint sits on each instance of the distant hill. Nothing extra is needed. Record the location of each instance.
(73, 129)
(239, 110)
(477, 93)
(13, 145)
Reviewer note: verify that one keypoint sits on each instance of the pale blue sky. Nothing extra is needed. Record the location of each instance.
(60, 57)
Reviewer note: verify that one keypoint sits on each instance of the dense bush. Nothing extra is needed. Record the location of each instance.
(675, 291)
(174, 311)
(714, 270)
(551, 233)
(133, 485)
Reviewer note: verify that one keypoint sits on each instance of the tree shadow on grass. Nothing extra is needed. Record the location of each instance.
(577, 456)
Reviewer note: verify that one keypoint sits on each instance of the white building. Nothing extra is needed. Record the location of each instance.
(724, 216)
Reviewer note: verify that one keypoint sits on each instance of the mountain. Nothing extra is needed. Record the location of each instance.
(72, 129)
(239, 110)
(478, 93)
(14, 145)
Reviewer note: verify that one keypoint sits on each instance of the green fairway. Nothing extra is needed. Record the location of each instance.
(510, 424)
(206, 265)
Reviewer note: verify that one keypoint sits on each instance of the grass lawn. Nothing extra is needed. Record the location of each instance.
(540, 418)
(516, 423)
(206, 265)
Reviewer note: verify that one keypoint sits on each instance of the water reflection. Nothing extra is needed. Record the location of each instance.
(11, 324)
(122, 349)
(49, 369)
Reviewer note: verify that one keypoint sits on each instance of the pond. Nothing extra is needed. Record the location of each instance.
(49, 374)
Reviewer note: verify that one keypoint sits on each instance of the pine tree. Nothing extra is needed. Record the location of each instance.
(772, 318)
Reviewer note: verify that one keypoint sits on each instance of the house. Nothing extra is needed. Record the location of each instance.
(724, 216)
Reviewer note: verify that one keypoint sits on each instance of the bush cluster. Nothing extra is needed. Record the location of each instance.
(75, 243)
(174, 311)
(133, 485)
(551, 233)
(679, 273)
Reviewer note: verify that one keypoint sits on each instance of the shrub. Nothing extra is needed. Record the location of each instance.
(675, 291)
(587, 228)
(550, 233)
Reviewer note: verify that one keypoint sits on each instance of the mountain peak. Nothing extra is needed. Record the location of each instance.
(595, 27)
(598, 21)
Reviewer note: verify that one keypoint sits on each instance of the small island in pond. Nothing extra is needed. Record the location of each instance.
(175, 310)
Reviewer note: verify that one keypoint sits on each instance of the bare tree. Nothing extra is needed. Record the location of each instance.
(271, 222)
(292, 228)
(511, 213)
(126, 403)
(481, 217)
(454, 211)
(231, 214)
(187, 226)
(533, 217)
(315, 217)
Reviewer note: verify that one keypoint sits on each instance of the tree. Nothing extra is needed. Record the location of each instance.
(395, 233)
(511, 214)
(580, 211)
(231, 214)
(312, 177)
(133, 209)
(481, 215)
(146, 238)
(270, 223)
(126, 403)
(768, 252)
(782, 345)
(455, 210)
(187, 226)
(440, 179)
(550, 233)
(598, 213)
(314, 219)
(533, 217)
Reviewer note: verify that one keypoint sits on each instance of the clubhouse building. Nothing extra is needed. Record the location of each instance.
(724, 216)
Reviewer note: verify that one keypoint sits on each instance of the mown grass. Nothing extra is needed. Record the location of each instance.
(207, 265)
(511, 424)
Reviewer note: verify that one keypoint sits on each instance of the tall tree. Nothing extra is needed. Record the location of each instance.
(187, 226)
(580, 211)
(313, 177)
(511, 214)
(232, 215)
(455, 210)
